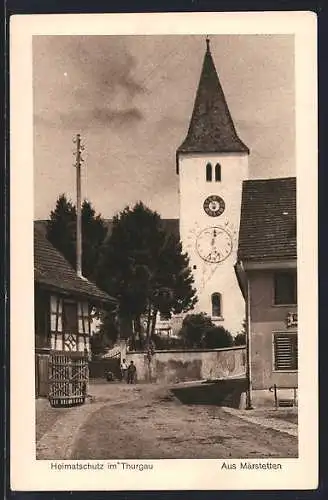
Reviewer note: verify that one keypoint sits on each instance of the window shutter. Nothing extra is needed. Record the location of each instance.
(285, 352)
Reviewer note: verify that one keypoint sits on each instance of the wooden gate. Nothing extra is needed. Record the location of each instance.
(41, 375)
(68, 378)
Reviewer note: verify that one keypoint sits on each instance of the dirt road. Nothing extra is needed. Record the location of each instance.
(148, 422)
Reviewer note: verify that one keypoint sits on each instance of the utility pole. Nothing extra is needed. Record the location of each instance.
(78, 162)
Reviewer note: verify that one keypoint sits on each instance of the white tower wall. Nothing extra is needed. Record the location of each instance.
(194, 189)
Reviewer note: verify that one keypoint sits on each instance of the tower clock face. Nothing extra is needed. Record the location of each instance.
(214, 244)
(214, 205)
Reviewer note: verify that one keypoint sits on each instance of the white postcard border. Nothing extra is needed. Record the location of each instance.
(26, 472)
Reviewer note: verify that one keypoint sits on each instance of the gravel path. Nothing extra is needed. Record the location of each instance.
(58, 428)
(163, 428)
(58, 442)
(147, 421)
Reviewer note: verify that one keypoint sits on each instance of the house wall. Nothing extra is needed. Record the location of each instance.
(173, 366)
(49, 334)
(41, 319)
(60, 339)
(267, 318)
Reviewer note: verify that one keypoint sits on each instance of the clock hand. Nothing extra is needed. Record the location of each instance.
(213, 238)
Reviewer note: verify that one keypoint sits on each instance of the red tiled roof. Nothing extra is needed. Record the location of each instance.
(211, 127)
(268, 220)
(52, 271)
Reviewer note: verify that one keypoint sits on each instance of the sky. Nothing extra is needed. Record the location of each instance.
(131, 99)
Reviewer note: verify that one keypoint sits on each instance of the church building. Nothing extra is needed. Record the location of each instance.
(240, 235)
(212, 163)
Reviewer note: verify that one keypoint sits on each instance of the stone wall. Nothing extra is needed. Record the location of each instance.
(171, 366)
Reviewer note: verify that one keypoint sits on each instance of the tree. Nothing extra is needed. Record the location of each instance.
(198, 331)
(61, 232)
(145, 268)
(93, 234)
(61, 228)
(107, 334)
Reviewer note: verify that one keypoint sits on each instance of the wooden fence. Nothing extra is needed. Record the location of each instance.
(68, 378)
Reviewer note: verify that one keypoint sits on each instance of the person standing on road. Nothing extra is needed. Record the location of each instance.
(124, 369)
(132, 373)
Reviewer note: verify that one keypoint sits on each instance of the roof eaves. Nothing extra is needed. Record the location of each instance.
(68, 291)
(187, 151)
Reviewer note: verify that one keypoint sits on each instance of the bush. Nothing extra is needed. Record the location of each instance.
(217, 337)
(240, 339)
(167, 343)
(193, 329)
(198, 331)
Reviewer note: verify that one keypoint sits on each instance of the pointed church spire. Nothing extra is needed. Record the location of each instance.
(211, 128)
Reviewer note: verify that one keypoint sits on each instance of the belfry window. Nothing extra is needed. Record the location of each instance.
(216, 305)
(208, 172)
(218, 172)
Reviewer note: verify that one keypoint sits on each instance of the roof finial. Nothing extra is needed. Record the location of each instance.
(207, 44)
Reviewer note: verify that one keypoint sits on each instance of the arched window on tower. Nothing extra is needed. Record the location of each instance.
(217, 172)
(216, 305)
(208, 172)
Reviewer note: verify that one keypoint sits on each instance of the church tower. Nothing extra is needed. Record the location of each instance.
(212, 163)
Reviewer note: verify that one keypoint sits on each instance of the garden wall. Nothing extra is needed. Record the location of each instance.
(171, 366)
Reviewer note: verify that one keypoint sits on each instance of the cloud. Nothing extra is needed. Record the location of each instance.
(99, 87)
(98, 116)
(92, 118)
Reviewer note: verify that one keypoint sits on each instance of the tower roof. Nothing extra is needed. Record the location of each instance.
(211, 128)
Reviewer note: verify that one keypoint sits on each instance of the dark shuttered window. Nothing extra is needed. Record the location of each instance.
(285, 351)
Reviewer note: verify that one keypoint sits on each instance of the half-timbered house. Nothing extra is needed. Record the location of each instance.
(63, 302)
